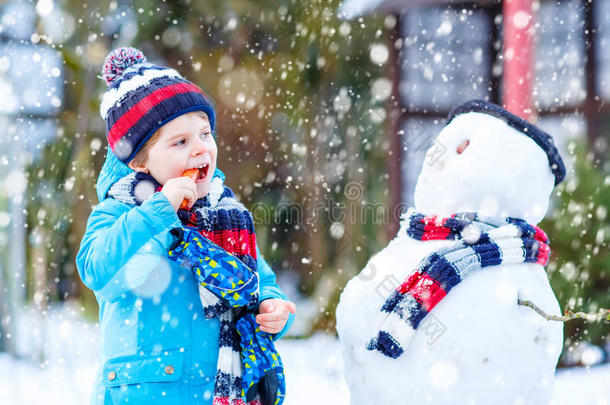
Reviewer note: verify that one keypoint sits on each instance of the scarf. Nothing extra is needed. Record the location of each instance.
(479, 242)
(226, 226)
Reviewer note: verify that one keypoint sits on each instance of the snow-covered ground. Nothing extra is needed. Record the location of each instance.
(314, 367)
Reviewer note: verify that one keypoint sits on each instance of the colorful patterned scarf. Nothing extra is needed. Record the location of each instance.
(480, 242)
(226, 224)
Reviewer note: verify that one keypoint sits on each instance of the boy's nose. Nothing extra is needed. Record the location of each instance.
(198, 147)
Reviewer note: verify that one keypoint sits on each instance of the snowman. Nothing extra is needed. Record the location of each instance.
(434, 317)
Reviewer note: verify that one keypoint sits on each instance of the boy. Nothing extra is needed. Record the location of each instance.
(158, 344)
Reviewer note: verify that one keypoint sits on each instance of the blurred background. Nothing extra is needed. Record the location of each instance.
(325, 110)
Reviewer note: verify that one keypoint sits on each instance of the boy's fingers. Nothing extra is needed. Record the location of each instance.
(268, 317)
(191, 196)
(194, 198)
(279, 314)
(277, 326)
(269, 330)
(274, 325)
(186, 180)
(268, 309)
(289, 306)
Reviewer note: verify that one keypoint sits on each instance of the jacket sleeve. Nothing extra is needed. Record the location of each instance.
(123, 244)
(270, 289)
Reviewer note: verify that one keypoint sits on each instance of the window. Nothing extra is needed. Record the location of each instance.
(602, 44)
(560, 55)
(446, 57)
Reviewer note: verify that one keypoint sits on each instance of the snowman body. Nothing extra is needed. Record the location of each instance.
(477, 345)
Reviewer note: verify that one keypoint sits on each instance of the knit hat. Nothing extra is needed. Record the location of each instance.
(544, 140)
(141, 98)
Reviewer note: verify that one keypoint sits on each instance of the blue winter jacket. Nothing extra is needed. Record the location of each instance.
(155, 344)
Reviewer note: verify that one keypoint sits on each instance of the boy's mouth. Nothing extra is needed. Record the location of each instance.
(203, 171)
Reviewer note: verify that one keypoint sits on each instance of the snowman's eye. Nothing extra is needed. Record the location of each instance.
(461, 147)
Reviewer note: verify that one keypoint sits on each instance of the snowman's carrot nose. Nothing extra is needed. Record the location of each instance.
(461, 147)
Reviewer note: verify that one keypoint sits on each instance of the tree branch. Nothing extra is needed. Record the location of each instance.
(601, 315)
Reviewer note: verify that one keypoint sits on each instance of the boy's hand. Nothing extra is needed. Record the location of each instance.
(178, 189)
(273, 314)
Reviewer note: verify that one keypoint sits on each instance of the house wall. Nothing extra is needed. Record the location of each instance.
(449, 54)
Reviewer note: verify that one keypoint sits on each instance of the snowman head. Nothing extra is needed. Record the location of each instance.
(495, 163)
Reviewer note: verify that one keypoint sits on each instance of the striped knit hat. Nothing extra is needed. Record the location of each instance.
(141, 98)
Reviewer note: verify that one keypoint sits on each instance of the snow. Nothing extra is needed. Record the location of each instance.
(583, 386)
(486, 337)
(314, 367)
(353, 8)
(58, 352)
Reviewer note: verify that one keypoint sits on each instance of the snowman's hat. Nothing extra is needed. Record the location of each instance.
(543, 139)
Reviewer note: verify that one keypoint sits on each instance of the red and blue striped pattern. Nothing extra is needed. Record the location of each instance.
(135, 119)
(498, 241)
(232, 228)
(141, 98)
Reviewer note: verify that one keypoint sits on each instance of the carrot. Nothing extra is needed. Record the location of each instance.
(193, 174)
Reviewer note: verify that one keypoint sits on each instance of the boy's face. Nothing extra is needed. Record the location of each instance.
(186, 142)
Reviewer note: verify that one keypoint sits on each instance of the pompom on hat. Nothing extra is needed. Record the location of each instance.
(141, 98)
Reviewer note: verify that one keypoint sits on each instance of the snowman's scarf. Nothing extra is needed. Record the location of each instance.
(480, 242)
(221, 218)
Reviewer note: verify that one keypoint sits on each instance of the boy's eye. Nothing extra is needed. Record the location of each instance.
(205, 134)
(180, 142)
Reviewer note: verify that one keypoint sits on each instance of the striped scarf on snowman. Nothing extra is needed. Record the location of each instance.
(479, 242)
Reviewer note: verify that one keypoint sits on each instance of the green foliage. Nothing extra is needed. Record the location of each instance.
(579, 232)
(292, 146)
